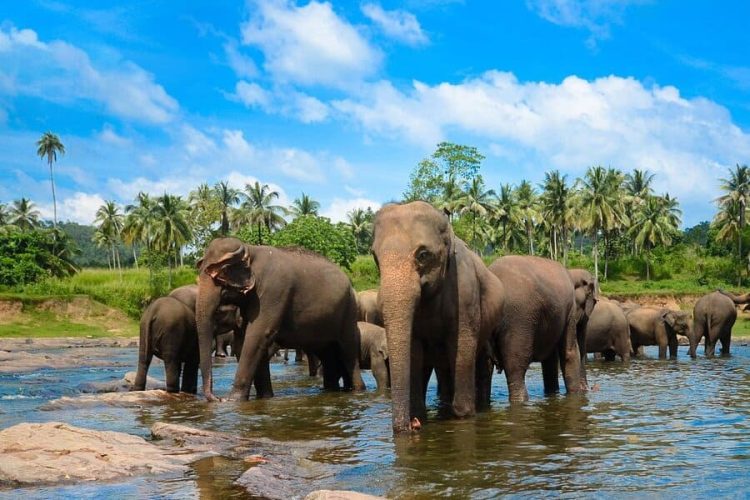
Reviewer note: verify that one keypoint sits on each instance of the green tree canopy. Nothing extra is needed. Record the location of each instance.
(334, 241)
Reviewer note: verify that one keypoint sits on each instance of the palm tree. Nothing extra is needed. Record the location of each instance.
(139, 223)
(227, 197)
(259, 209)
(527, 207)
(24, 214)
(555, 200)
(4, 214)
(449, 199)
(361, 223)
(505, 211)
(171, 227)
(477, 202)
(110, 224)
(601, 206)
(737, 188)
(304, 205)
(653, 225)
(49, 145)
(637, 186)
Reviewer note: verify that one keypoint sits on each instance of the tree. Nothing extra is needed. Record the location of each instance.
(49, 145)
(555, 202)
(336, 242)
(477, 202)
(139, 223)
(737, 189)
(109, 222)
(258, 208)
(361, 223)
(4, 215)
(601, 206)
(26, 257)
(304, 205)
(527, 209)
(654, 225)
(505, 211)
(171, 228)
(441, 176)
(227, 197)
(24, 214)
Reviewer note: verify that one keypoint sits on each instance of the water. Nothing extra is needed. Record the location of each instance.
(656, 428)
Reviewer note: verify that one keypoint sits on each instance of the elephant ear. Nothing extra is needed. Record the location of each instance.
(232, 270)
(669, 318)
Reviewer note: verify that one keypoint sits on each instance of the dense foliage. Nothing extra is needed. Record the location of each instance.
(26, 257)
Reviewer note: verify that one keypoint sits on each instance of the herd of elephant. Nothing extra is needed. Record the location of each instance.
(439, 309)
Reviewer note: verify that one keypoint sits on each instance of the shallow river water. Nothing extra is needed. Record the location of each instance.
(661, 428)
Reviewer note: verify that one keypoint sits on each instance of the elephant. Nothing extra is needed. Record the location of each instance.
(587, 294)
(539, 323)
(367, 307)
(608, 331)
(286, 296)
(223, 341)
(713, 317)
(168, 331)
(657, 326)
(440, 304)
(373, 353)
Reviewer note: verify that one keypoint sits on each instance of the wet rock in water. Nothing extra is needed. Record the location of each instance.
(122, 385)
(119, 399)
(55, 452)
(24, 361)
(339, 495)
(199, 440)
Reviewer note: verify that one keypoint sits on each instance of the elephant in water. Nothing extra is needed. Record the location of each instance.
(440, 305)
(290, 297)
(539, 323)
(713, 318)
(373, 353)
(608, 331)
(168, 331)
(368, 308)
(657, 326)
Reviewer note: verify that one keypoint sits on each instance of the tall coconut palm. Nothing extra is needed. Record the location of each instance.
(637, 186)
(171, 228)
(304, 205)
(227, 197)
(526, 198)
(48, 146)
(24, 214)
(555, 201)
(737, 189)
(139, 223)
(258, 208)
(505, 211)
(476, 201)
(601, 206)
(110, 223)
(653, 225)
(360, 221)
(4, 214)
(450, 197)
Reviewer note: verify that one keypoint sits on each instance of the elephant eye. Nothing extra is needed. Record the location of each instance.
(423, 256)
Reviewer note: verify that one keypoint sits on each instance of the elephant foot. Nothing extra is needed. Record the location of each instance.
(415, 424)
(221, 355)
(211, 398)
(236, 395)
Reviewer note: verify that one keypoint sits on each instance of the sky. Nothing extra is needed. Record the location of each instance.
(340, 100)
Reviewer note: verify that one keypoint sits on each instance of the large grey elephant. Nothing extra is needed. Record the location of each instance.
(168, 331)
(368, 308)
(440, 304)
(288, 297)
(713, 318)
(657, 326)
(373, 353)
(539, 323)
(608, 331)
(587, 293)
(228, 321)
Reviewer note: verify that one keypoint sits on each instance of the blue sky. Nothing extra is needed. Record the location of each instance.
(341, 100)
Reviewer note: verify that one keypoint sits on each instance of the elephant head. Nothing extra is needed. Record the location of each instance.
(678, 324)
(586, 290)
(412, 246)
(224, 270)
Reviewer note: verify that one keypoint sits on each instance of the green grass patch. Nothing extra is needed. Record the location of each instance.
(46, 324)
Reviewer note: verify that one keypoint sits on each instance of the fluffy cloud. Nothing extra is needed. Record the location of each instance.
(243, 66)
(60, 72)
(283, 101)
(253, 95)
(339, 207)
(397, 24)
(613, 121)
(80, 207)
(108, 135)
(310, 44)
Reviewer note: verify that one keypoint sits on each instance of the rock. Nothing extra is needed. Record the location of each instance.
(200, 441)
(55, 452)
(339, 495)
(120, 399)
(122, 385)
(18, 361)
(13, 344)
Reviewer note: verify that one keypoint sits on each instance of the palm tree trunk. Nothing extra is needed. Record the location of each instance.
(135, 256)
(260, 238)
(606, 256)
(739, 256)
(505, 238)
(54, 197)
(596, 257)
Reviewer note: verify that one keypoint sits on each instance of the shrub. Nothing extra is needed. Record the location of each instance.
(364, 273)
(335, 242)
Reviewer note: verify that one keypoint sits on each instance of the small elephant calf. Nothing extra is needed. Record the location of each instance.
(373, 353)
(168, 331)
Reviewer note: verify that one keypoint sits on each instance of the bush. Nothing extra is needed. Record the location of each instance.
(364, 273)
(336, 242)
(26, 257)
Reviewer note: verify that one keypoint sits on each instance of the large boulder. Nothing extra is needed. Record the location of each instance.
(122, 385)
(18, 361)
(118, 399)
(55, 452)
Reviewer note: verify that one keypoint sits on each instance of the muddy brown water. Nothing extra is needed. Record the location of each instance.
(661, 428)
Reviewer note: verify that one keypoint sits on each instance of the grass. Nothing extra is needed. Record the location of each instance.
(88, 319)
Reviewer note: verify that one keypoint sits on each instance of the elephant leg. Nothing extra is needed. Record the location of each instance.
(516, 378)
(662, 351)
(190, 377)
(172, 369)
(262, 380)
(379, 370)
(609, 355)
(299, 356)
(313, 364)
(286, 355)
(570, 360)
(348, 350)
(550, 374)
(695, 338)
(673, 347)
(725, 343)
(144, 362)
(331, 370)
(260, 334)
(483, 382)
(420, 373)
(598, 356)
(710, 346)
(444, 386)
(463, 368)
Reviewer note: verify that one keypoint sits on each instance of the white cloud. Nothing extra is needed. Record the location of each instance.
(344, 168)
(238, 181)
(283, 101)
(242, 65)
(148, 160)
(310, 44)
(80, 207)
(397, 24)
(253, 95)
(339, 207)
(595, 16)
(571, 125)
(308, 109)
(108, 135)
(297, 164)
(60, 72)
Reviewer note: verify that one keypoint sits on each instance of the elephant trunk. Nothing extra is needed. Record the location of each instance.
(399, 295)
(209, 297)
